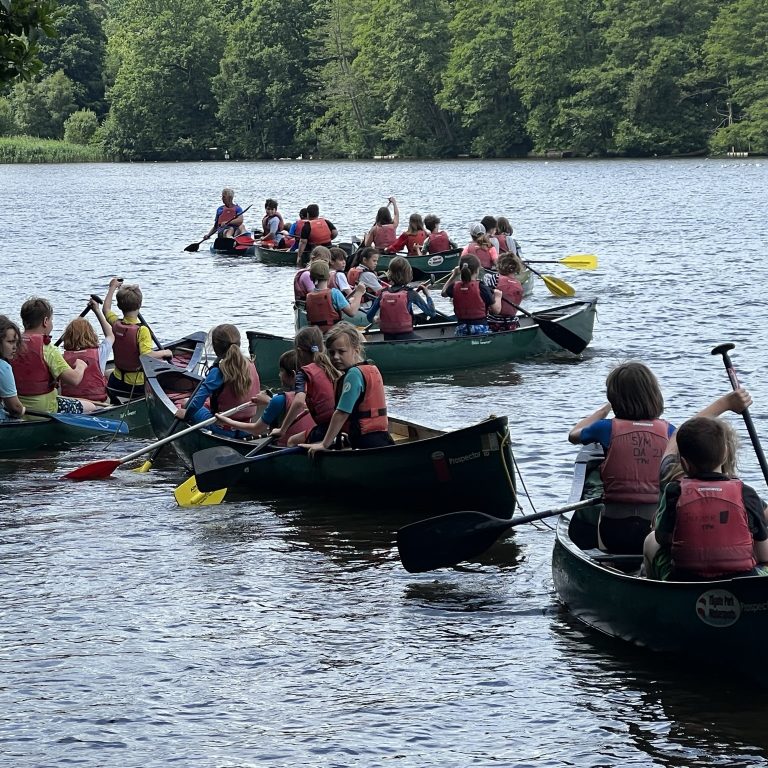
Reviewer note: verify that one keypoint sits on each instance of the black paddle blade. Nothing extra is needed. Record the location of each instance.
(443, 541)
(562, 336)
(217, 468)
(193, 247)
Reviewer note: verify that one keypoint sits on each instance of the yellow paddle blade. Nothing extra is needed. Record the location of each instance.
(558, 287)
(145, 467)
(580, 261)
(188, 495)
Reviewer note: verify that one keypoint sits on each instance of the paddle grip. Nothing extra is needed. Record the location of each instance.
(733, 378)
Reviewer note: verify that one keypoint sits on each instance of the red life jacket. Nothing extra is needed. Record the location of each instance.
(94, 384)
(384, 235)
(299, 291)
(321, 395)
(394, 316)
(468, 302)
(304, 422)
(511, 290)
(126, 346)
(320, 309)
(225, 398)
(483, 254)
(630, 471)
(370, 412)
(438, 242)
(31, 372)
(320, 232)
(413, 241)
(226, 216)
(712, 536)
(504, 243)
(353, 276)
(332, 282)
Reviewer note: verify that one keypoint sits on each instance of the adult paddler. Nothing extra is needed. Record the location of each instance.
(229, 217)
(316, 231)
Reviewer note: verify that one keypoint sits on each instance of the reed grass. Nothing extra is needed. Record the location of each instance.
(28, 149)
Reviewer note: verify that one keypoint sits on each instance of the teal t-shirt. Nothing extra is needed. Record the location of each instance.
(351, 390)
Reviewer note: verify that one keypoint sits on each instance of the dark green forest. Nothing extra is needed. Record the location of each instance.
(189, 79)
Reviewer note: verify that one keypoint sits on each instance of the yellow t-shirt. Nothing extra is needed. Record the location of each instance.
(145, 346)
(56, 365)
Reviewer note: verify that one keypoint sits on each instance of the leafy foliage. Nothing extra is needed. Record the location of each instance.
(21, 23)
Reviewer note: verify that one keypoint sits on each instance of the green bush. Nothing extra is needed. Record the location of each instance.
(80, 127)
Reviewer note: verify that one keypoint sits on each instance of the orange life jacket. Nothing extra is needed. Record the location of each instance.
(370, 412)
(320, 392)
(320, 309)
(303, 423)
(320, 232)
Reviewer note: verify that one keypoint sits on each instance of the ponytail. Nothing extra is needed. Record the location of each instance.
(470, 265)
(233, 364)
(310, 348)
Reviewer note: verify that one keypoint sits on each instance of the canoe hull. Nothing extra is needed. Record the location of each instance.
(440, 350)
(443, 472)
(27, 436)
(713, 619)
(279, 257)
(249, 251)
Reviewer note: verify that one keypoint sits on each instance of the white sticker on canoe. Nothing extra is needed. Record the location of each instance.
(718, 608)
(434, 261)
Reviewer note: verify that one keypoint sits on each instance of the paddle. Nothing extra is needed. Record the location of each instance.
(189, 495)
(555, 285)
(98, 470)
(147, 465)
(575, 261)
(220, 467)
(560, 335)
(84, 421)
(151, 332)
(440, 542)
(194, 247)
(82, 314)
(723, 350)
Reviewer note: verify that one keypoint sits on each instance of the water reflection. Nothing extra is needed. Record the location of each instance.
(679, 715)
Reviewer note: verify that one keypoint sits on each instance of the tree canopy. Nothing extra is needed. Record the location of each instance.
(172, 79)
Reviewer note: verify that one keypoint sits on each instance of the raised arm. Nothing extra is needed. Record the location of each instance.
(395, 211)
(105, 326)
(574, 436)
(114, 284)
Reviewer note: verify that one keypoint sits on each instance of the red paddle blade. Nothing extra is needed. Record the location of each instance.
(96, 470)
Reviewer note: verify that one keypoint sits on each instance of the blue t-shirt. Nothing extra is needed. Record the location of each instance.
(213, 382)
(7, 386)
(275, 410)
(600, 432)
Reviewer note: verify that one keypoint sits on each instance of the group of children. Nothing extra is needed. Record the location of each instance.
(484, 300)
(672, 495)
(36, 375)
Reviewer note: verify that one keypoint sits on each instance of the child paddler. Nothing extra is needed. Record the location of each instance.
(277, 408)
(132, 339)
(361, 403)
(314, 387)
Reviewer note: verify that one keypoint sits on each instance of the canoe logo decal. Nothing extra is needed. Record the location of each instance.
(434, 261)
(718, 608)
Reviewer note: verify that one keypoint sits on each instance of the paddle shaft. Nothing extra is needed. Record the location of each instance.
(151, 332)
(723, 350)
(82, 314)
(170, 438)
(195, 246)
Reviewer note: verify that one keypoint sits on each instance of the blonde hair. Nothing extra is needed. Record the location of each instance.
(320, 252)
(79, 334)
(233, 364)
(129, 298)
(415, 223)
(310, 348)
(356, 340)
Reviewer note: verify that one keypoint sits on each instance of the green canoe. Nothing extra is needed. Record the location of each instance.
(440, 350)
(39, 434)
(279, 257)
(436, 264)
(425, 470)
(714, 620)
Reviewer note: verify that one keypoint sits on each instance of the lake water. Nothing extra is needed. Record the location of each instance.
(136, 633)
